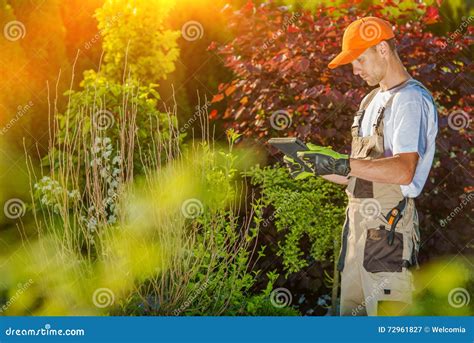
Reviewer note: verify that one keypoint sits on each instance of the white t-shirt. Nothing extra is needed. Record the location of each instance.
(410, 125)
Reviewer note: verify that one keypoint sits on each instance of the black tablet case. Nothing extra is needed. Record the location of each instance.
(290, 146)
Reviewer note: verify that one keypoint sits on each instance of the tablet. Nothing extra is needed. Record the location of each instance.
(290, 146)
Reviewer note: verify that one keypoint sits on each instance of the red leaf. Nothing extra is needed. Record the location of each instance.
(293, 29)
(213, 114)
(212, 46)
(248, 6)
(431, 15)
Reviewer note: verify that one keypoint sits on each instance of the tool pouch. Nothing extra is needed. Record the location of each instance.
(379, 255)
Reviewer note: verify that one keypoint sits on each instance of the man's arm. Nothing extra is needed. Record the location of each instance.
(398, 169)
(342, 180)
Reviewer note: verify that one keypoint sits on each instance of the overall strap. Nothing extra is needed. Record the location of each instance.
(365, 103)
(360, 113)
(378, 123)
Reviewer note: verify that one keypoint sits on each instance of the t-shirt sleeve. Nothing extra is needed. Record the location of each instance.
(410, 123)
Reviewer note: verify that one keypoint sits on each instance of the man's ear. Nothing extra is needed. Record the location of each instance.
(383, 48)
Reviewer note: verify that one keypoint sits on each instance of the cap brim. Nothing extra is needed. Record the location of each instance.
(345, 57)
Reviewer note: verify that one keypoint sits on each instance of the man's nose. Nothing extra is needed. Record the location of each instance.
(355, 71)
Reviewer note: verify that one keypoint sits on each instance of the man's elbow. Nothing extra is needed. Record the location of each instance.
(408, 165)
(407, 177)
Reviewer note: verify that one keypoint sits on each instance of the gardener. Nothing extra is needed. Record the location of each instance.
(393, 143)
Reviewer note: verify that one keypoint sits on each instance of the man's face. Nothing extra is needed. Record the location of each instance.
(371, 66)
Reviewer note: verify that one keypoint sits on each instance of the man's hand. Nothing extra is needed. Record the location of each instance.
(325, 161)
(296, 170)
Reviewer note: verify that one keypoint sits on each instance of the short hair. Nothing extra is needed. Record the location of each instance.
(391, 44)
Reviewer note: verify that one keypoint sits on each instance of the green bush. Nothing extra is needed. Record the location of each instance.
(211, 274)
(311, 209)
(136, 41)
(107, 108)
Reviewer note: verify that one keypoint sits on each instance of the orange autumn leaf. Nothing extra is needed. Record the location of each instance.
(217, 98)
(244, 100)
(229, 90)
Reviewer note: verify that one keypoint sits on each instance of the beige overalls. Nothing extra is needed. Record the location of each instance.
(376, 251)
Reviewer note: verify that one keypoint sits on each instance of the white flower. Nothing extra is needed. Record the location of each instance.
(95, 149)
(103, 172)
(74, 194)
(117, 159)
(92, 224)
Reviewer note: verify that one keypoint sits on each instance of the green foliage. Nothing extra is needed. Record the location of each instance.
(109, 132)
(224, 245)
(310, 209)
(222, 274)
(443, 287)
(111, 109)
(134, 34)
(216, 246)
(243, 304)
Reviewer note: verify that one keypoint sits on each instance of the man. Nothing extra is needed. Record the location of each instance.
(393, 144)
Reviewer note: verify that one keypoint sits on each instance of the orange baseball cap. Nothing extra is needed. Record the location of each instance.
(360, 35)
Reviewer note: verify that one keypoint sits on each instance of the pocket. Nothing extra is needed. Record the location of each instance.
(363, 189)
(361, 147)
(362, 150)
(379, 255)
(392, 286)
